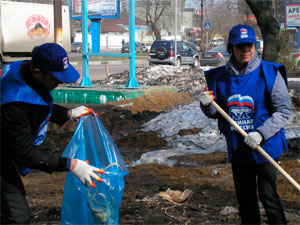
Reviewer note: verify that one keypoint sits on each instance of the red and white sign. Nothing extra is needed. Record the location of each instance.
(292, 14)
(38, 26)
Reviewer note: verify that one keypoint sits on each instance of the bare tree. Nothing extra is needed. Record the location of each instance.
(153, 11)
(222, 15)
(269, 27)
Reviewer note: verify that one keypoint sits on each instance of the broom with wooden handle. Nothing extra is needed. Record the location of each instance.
(258, 148)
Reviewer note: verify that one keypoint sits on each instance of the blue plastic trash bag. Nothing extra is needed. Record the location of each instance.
(99, 205)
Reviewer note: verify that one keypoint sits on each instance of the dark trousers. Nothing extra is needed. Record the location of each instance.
(248, 179)
(14, 209)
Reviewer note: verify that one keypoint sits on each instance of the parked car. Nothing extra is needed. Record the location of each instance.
(125, 48)
(258, 53)
(148, 46)
(260, 46)
(296, 58)
(76, 47)
(293, 46)
(194, 46)
(163, 52)
(144, 47)
(216, 56)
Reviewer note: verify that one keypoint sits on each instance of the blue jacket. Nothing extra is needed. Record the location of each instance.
(14, 89)
(247, 99)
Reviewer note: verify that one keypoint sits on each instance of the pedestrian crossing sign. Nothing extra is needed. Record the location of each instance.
(207, 26)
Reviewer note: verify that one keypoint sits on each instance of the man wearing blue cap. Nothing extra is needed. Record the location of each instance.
(254, 93)
(26, 107)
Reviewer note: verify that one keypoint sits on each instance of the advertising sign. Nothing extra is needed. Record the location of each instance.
(97, 9)
(292, 14)
(192, 4)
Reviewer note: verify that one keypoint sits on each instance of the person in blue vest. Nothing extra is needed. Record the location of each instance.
(254, 93)
(26, 107)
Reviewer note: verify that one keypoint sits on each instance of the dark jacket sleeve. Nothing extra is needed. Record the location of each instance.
(59, 114)
(17, 139)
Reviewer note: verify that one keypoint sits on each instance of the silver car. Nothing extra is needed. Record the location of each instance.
(76, 47)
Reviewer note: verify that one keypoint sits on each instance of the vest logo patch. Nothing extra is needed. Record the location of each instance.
(241, 109)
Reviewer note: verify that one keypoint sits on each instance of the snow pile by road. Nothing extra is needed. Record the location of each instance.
(185, 79)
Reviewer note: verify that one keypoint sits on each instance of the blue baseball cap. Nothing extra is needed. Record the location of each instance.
(241, 34)
(52, 58)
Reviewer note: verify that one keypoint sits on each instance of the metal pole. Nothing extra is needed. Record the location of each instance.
(206, 46)
(132, 83)
(95, 27)
(85, 58)
(58, 32)
(175, 31)
(202, 26)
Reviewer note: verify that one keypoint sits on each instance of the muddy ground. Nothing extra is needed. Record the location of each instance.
(212, 192)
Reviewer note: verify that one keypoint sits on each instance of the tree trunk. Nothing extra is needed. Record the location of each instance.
(269, 27)
(156, 32)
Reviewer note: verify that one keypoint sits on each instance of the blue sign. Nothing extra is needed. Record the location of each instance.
(207, 26)
(97, 9)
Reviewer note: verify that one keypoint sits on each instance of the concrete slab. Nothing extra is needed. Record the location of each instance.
(102, 94)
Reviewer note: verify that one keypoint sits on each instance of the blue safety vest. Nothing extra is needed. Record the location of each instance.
(15, 89)
(246, 99)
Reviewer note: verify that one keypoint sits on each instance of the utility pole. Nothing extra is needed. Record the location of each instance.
(202, 28)
(175, 31)
(58, 32)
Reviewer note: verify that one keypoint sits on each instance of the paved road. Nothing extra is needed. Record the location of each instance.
(98, 72)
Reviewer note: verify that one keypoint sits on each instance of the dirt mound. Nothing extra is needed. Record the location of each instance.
(155, 101)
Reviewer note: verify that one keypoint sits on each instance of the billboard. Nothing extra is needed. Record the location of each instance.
(97, 9)
(192, 4)
(292, 14)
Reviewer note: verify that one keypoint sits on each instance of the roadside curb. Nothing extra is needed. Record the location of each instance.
(105, 62)
(293, 79)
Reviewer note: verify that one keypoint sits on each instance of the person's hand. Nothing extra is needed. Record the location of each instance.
(85, 172)
(253, 139)
(78, 112)
(206, 97)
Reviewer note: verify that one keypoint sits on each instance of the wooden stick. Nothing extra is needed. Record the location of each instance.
(260, 149)
(107, 70)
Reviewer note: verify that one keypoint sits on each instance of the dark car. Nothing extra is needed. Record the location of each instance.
(216, 56)
(194, 46)
(163, 52)
(125, 48)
